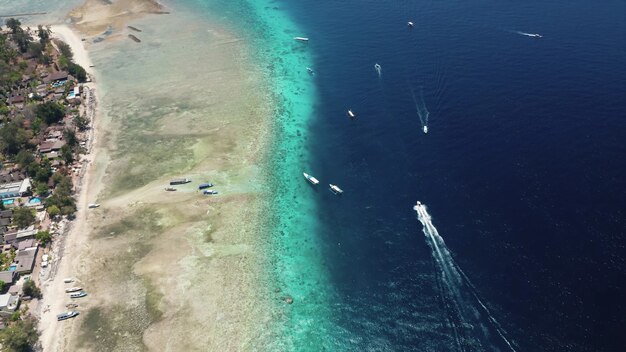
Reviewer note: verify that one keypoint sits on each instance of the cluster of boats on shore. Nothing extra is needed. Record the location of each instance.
(75, 292)
(201, 187)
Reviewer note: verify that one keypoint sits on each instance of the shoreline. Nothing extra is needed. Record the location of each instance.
(74, 234)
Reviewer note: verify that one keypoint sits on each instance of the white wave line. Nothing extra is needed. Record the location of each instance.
(451, 270)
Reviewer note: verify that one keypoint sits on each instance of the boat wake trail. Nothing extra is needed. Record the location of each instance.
(379, 70)
(534, 35)
(470, 319)
(420, 106)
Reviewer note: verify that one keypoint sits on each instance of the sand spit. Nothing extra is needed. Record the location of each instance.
(94, 17)
(169, 271)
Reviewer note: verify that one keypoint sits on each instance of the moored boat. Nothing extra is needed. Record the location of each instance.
(301, 39)
(335, 189)
(310, 178)
(179, 181)
(67, 315)
(351, 114)
(410, 24)
(78, 294)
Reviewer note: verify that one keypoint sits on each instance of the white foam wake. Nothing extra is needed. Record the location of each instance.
(422, 111)
(467, 306)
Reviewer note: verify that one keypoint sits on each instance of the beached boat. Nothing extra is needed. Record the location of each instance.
(93, 205)
(73, 289)
(78, 294)
(67, 315)
(205, 185)
(310, 178)
(71, 305)
(351, 114)
(170, 189)
(209, 191)
(179, 181)
(335, 189)
(67, 280)
(301, 39)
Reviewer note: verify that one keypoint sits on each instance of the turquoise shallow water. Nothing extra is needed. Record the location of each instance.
(296, 265)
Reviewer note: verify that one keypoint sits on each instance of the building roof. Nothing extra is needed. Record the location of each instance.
(8, 276)
(18, 99)
(51, 145)
(14, 189)
(6, 213)
(25, 260)
(27, 243)
(27, 232)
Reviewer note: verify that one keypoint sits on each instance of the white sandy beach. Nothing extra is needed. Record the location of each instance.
(74, 240)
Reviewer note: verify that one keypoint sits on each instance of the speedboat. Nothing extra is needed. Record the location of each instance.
(351, 114)
(425, 129)
(536, 35)
(301, 39)
(209, 191)
(417, 206)
(309, 70)
(78, 294)
(335, 189)
(410, 24)
(67, 315)
(73, 289)
(310, 178)
(377, 67)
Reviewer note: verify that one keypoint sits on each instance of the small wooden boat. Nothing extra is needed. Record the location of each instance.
(335, 189)
(301, 39)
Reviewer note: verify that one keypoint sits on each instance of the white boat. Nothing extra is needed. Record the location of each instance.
(351, 114)
(335, 189)
(417, 206)
(301, 39)
(309, 70)
(67, 315)
(410, 24)
(93, 205)
(425, 129)
(310, 178)
(73, 289)
(378, 69)
(67, 280)
(78, 294)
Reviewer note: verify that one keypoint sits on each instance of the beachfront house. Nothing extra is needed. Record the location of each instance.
(8, 304)
(14, 189)
(25, 260)
(9, 278)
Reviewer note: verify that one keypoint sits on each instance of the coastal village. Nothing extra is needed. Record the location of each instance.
(46, 111)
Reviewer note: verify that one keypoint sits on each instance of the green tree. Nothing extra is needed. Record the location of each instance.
(70, 137)
(53, 211)
(2, 283)
(65, 49)
(50, 112)
(12, 138)
(25, 159)
(42, 189)
(20, 336)
(44, 237)
(81, 122)
(43, 34)
(30, 289)
(77, 71)
(23, 217)
(66, 154)
(22, 39)
(13, 24)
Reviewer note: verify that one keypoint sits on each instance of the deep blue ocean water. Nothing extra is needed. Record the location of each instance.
(522, 169)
